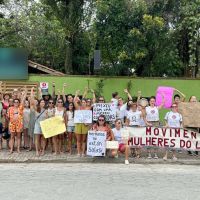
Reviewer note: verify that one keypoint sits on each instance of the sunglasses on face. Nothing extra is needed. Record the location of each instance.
(16, 101)
(101, 120)
(50, 102)
(101, 100)
(60, 102)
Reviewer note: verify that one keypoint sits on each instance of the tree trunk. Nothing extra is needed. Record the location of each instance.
(68, 59)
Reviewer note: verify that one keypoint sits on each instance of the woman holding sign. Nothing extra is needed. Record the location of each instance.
(81, 129)
(58, 140)
(101, 125)
(152, 118)
(193, 99)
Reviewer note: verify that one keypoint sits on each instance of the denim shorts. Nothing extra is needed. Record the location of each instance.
(70, 129)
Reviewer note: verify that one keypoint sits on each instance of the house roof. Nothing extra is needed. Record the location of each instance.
(45, 69)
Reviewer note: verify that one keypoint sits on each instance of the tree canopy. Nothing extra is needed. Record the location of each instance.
(136, 37)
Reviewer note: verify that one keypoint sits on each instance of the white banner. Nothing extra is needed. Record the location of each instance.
(96, 143)
(83, 116)
(107, 109)
(176, 138)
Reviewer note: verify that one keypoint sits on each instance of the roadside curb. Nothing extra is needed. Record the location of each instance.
(103, 161)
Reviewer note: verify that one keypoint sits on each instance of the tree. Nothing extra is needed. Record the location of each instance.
(70, 14)
(132, 40)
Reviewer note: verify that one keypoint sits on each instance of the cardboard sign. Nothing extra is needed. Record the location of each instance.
(112, 144)
(83, 116)
(175, 138)
(106, 109)
(53, 126)
(190, 112)
(168, 96)
(96, 143)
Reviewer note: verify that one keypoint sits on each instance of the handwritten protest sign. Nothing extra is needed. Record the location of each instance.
(168, 95)
(107, 109)
(83, 116)
(96, 143)
(176, 138)
(112, 144)
(190, 113)
(53, 126)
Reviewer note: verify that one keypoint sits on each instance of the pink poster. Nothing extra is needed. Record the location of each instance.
(168, 96)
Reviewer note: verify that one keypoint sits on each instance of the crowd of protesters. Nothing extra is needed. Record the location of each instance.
(20, 117)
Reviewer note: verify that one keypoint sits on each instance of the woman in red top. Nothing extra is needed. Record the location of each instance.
(101, 125)
(5, 101)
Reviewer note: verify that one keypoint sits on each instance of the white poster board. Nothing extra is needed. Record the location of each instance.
(83, 116)
(106, 109)
(96, 143)
(44, 87)
(112, 144)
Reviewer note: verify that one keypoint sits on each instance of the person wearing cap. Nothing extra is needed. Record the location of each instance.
(173, 119)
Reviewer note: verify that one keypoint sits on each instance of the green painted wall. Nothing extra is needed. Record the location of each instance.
(148, 86)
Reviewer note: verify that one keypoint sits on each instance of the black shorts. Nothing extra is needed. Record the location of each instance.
(1, 128)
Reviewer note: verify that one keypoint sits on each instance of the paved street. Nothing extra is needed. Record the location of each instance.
(98, 181)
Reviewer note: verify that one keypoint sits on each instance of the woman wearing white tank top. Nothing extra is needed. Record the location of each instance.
(173, 119)
(152, 119)
(58, 140)
(133, 118)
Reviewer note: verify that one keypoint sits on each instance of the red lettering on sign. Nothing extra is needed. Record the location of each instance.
(148, 130)
(177, 132)
(172, 143)
(166, 140)
(197, 145)
(148, 141)
(182, 143)
(136, 141)
(156, 131)
(164, 131)
(130, 141)
(160, 141)
(185, 132)
(193, 135)
(188, 144)
(153, 142)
